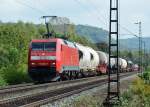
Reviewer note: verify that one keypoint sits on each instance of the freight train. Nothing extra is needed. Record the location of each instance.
(56, 59)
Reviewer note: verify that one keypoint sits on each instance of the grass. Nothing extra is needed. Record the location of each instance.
(146, 76)
(2, 81)
(86, 101)
(139, 93)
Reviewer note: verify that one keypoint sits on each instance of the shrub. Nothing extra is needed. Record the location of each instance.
(137, 96)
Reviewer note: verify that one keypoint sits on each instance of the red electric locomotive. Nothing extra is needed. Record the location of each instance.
(52, 59)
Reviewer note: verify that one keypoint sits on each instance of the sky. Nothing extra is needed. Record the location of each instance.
(87, 12)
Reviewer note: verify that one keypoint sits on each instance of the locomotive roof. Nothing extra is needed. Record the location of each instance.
(45, 40)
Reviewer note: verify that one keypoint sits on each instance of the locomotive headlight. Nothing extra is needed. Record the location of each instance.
(33, 63)
(53, 63)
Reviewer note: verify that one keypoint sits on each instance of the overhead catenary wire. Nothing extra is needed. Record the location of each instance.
(103, 20)
(21, 2)
(82, 5)
(99, 12)
(86, 8)
(121, 27)
(26, 4)
(45, 10)
(127, 30)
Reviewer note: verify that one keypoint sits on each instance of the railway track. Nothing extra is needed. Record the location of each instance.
(36, 95)
(15, 86)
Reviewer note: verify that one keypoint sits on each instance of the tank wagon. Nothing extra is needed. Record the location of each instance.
(103, 62)
(135, 67)
(84, 57)
(94, 60)
(122, 65)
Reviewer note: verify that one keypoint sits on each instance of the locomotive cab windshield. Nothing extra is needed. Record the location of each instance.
(44, 46)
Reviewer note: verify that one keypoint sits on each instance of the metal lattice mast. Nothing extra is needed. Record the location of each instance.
(140, 46)
(140, 36)
(113, 84)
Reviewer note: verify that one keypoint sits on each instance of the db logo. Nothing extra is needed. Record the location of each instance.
(43, 54)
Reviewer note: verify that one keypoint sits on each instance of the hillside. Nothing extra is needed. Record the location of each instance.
(98, 35)
(95, 34)
(133, 43)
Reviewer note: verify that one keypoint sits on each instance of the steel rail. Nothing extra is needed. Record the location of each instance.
(15, 86)
(45, 97)
(31, 89)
